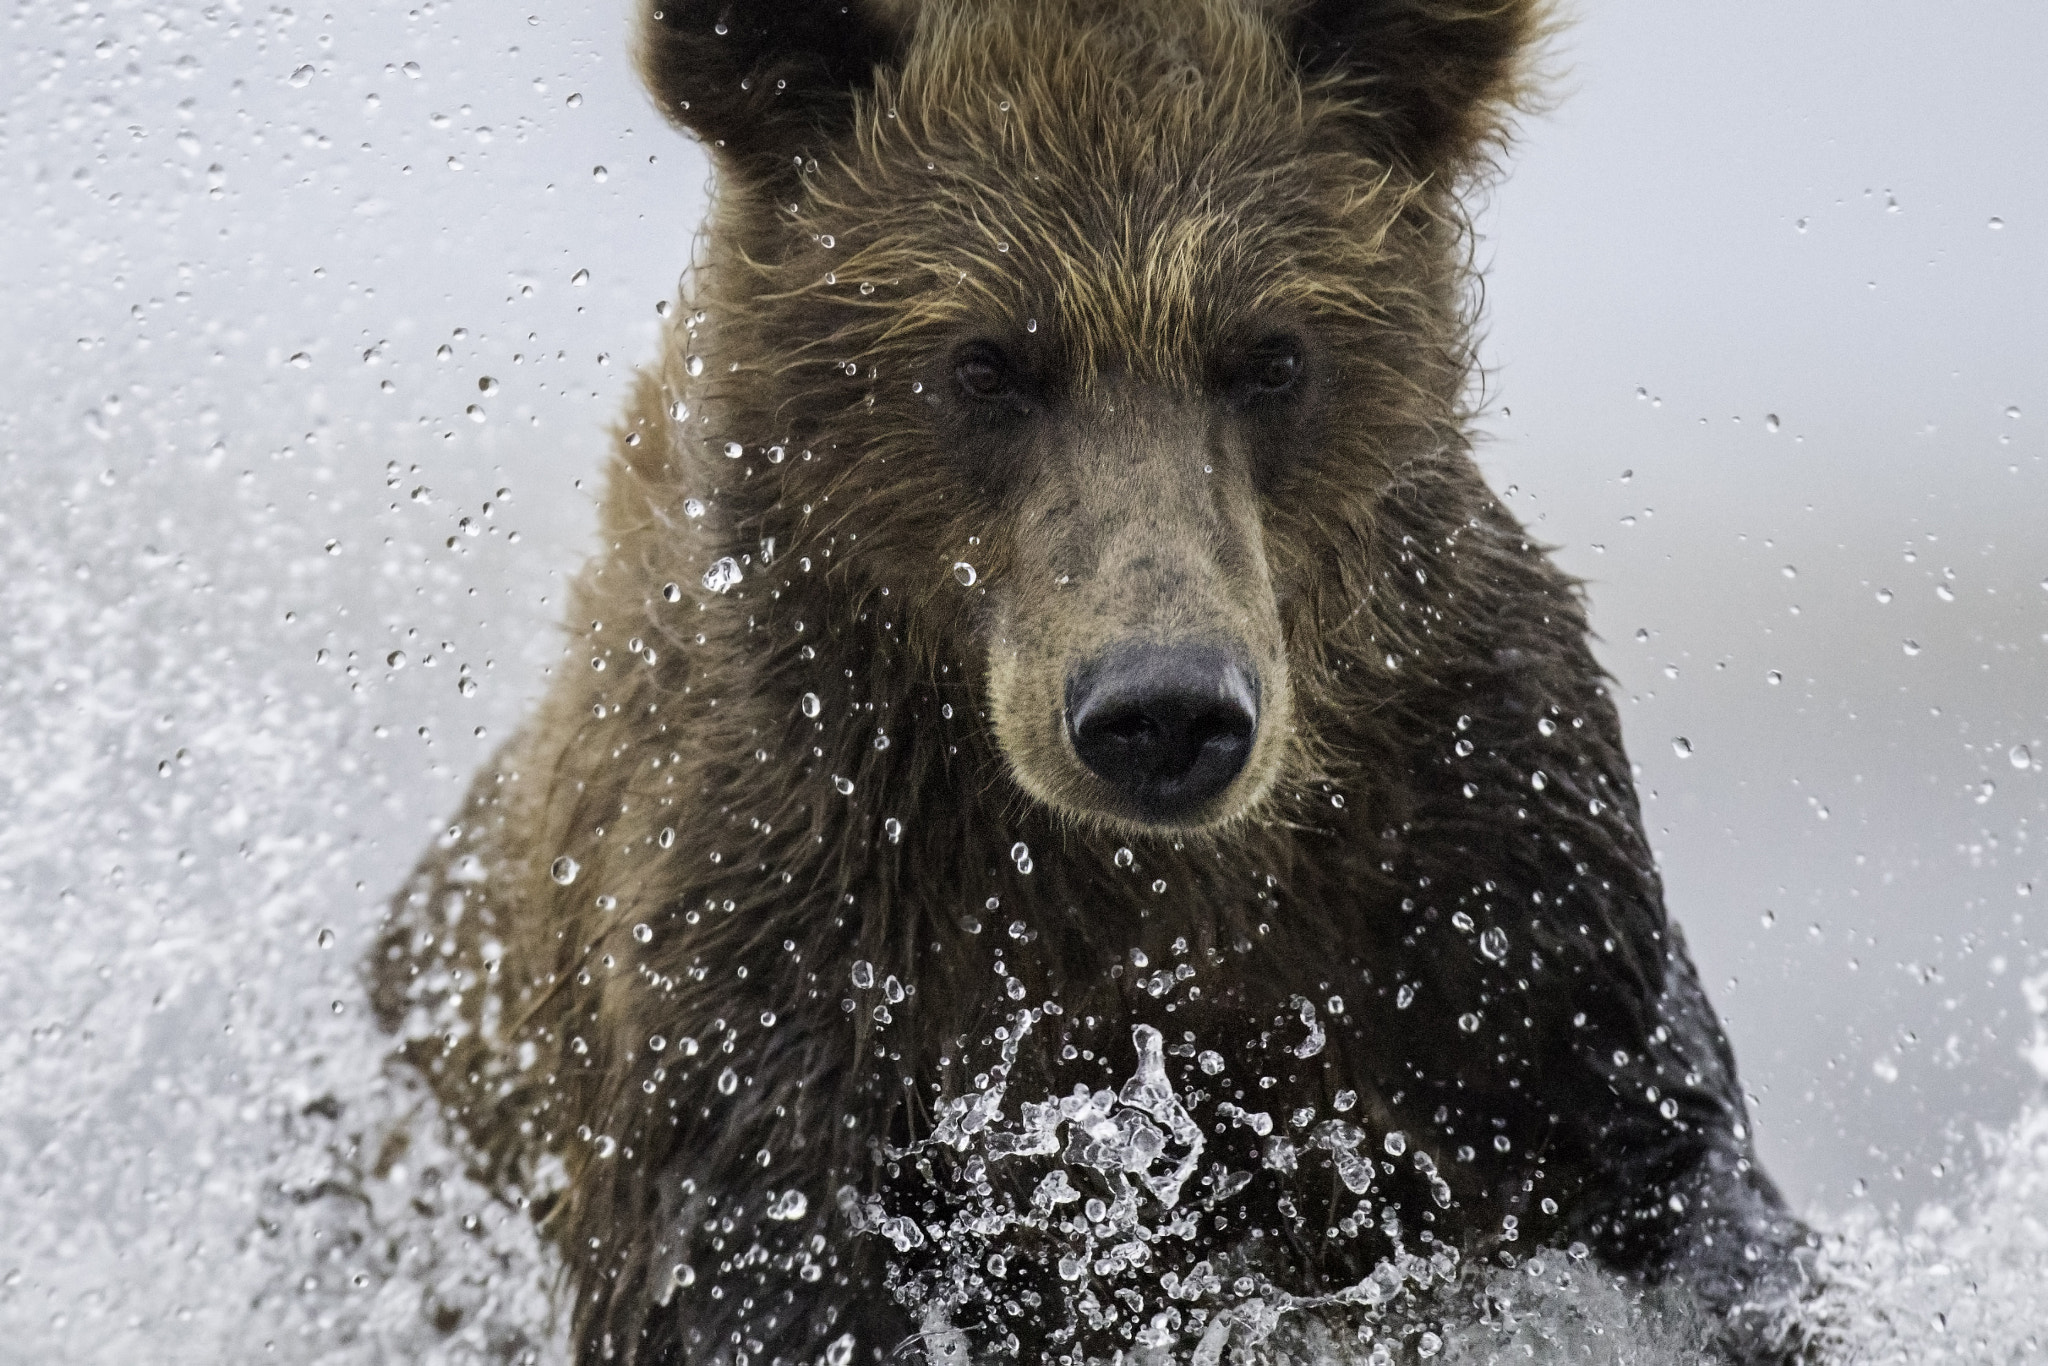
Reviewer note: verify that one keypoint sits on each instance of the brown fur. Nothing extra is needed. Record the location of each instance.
(1119, 193)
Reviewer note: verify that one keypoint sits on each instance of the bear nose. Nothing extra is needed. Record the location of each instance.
(1167, 725)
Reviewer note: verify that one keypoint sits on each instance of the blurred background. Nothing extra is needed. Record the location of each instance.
(313, 325)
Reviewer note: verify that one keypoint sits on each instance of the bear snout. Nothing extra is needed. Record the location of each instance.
(1168, 727)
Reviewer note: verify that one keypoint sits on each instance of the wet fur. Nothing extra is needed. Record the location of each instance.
(1164, 173)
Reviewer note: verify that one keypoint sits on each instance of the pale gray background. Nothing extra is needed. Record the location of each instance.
(1760, 351)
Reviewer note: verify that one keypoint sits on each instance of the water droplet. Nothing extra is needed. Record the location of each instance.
(325, 939)
(788, 1205)
(1681, 746)
(723, 574)
(1124, 858)
(1911, 647)
(1428, 1345)
(1774, 678)
(892, 830)
(1995, 224)
(671, 592)
(475, 413)
(1539, 780)
(1545, 726)
(1884, 595)
(581, 277)
(301, 359)
(810, 705)
(1404, 997)
(644, 933)
(1395, 1143)
(1343, 1101)
(2013, 412)
(693, 508)
(302, 76)
(964, 572)
(2021, 757)
(1493, 942)
(1790, 571)
(1770, 422)
(396, 659)
(1469, 1022)
(863, 974)
(728, 1082)
(843, 786)
(487, 385)
(599, 174)
(564, 869)
(1668, 1108)
(733, 450)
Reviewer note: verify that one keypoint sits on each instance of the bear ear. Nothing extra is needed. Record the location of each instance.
(1435, 79)
(763, 81)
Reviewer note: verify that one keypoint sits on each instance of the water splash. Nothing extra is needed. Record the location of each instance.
(1111, 1205)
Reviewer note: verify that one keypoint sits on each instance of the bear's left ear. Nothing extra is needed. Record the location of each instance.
(1435, 79)
(763, 81)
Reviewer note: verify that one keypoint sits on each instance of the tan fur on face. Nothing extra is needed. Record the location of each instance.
(1144, 529)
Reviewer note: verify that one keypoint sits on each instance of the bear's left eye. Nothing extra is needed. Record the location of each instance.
(1275, 366)
(1268, 369)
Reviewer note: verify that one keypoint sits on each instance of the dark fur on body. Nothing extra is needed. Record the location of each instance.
(1120, 194)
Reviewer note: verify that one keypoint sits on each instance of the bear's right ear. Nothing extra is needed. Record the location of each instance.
(762, 81)
(1435, 79)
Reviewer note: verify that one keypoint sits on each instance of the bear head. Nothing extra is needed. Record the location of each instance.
(1100, 332)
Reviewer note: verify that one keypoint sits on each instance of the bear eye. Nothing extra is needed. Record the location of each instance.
(1272, 367)
(983, 371)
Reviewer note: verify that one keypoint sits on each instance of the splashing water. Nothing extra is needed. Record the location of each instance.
(1111, 1199)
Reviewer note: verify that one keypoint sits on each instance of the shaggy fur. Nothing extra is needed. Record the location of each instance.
(789, 738)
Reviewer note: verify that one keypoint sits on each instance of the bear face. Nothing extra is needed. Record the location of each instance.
(1068, 319)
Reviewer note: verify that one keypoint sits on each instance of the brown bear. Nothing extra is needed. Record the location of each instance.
(1073, 820)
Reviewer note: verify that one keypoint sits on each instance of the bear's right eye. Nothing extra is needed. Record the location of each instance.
(983, 372)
